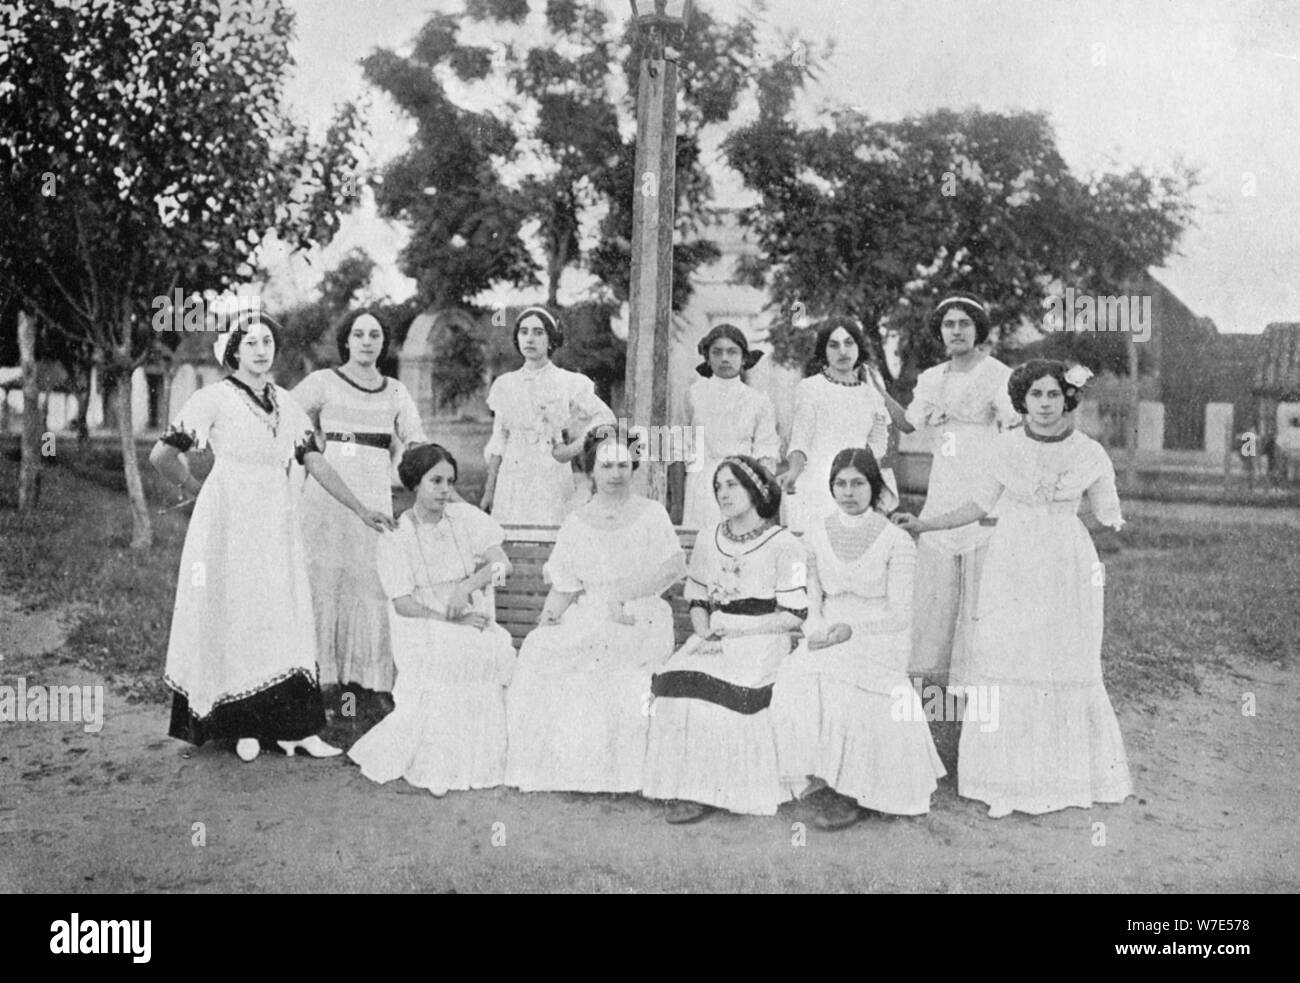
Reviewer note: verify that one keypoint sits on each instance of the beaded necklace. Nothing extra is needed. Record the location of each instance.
(826, 373)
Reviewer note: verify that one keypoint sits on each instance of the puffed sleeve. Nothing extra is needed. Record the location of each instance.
(496, 400)
(1003, 411)
(193, 424)
(766, 442)
(293, 418)
(395, 574)
(986, 491)
(699, 569)
(583, 401)
(562, 571)
(311, 394)
(1103, 498)
(484, 531)
(924, 397)
(661, 540)
(805, 420)
(407, 424)
(898, 585)
(878, 435)
(792, 576)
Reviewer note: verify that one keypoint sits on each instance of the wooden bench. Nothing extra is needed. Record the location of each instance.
(520, 601)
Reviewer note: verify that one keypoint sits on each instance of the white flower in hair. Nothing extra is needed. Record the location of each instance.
(1078, 376)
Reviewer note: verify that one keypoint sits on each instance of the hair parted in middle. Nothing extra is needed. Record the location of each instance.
(554, 333)
(828, 327)
(863, 460)
(344, 331)
(419, 460)
(763, 491)
(1025, 375)
(608, 432)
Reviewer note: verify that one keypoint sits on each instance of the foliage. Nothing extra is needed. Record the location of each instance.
(877, 219)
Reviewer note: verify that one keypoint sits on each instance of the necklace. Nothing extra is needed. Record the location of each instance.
(745, 537)
(827, 373)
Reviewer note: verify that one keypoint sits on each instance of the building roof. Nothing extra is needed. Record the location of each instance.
(1277, 373)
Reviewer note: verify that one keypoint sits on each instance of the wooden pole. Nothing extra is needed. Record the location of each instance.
(29, 468)
(650, 301)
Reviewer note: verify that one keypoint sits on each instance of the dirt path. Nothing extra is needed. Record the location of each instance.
(117, 811)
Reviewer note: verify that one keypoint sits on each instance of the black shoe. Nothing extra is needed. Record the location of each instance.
(680, 812)
(839, 812)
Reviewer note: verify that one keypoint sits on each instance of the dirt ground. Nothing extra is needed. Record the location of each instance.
(117, 811)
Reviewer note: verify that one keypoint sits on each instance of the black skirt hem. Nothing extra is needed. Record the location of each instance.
(288, 711)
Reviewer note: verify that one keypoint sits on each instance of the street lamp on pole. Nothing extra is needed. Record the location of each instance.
(654, 198)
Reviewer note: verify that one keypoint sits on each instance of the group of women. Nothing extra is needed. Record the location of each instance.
(795, 680)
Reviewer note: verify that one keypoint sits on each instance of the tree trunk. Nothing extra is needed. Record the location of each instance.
(81, 385)
(141, 527)
(1134, 412)
(29, 469)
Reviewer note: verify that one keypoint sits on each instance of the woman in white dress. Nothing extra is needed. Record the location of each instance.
(711, 740)
(448, 730)
(960, 406)
(241, 659)
(850, 729)
(541, 415)
(360, 412)
(1038, 628)
(577, 707)
(729, 417)
(842, 405)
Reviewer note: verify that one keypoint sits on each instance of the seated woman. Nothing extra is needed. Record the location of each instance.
(577, 705)
(448, 730)
(711, 740)
(843, 737)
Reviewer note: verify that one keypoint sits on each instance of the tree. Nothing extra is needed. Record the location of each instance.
(144, 151)
(471, 222)
(877, 219)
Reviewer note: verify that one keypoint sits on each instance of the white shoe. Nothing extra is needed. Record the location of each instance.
(312, 745)
(247, 748)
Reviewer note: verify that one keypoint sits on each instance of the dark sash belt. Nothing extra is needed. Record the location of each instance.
(746, 605)
(690, 685)
(380, 440)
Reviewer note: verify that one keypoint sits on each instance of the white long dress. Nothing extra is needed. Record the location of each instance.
(847, 714)
(448, 727)
(729, 418)
(352, 639)
(531, 408)
(711, 736)
(829, 417)
(241, 657)
(961, 413)
(1038, 634)
(578, 705)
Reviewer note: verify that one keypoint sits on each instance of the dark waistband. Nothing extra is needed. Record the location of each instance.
(747, 605)
(381, 440)
(691, 685)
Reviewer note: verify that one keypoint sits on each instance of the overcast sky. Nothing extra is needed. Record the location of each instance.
(1215, 82)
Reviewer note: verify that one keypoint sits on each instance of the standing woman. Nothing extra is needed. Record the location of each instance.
(448, 730)
(241, 658)
(1038, 626)
(711, 739)
(577, 705)
(542, 413)
(841, 740)
(833, 409)
(730, 417)
(359, 411)
(960, 405)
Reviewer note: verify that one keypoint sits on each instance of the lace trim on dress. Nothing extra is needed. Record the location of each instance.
(267, 412)
(309, 674)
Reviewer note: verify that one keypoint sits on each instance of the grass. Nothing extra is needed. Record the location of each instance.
(1182, 597)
